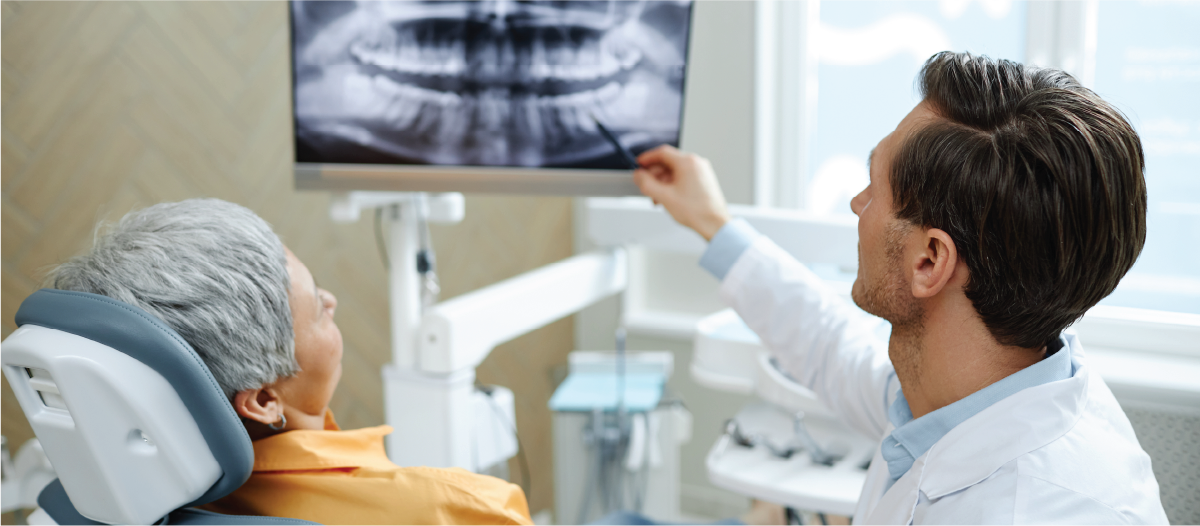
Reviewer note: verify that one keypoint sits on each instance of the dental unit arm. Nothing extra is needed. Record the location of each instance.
(430, 397)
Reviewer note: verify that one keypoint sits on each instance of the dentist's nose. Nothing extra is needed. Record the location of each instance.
(859, 202)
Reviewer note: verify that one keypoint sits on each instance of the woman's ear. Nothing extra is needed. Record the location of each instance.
(261, 405)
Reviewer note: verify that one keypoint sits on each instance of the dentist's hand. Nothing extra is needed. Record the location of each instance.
(684, 183)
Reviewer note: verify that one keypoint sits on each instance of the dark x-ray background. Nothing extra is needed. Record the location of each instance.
(488, 83)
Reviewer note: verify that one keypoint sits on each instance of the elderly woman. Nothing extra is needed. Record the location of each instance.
(216, 273)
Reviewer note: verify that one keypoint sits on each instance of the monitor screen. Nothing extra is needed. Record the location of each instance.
(486, 84)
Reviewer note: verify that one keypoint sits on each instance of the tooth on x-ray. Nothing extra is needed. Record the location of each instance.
(486, 83)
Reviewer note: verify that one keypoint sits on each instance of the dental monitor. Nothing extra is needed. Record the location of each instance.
(484, 96)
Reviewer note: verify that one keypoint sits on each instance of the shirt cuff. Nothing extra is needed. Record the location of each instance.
(727, 246)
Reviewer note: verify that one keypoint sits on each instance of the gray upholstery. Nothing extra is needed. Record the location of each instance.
(54, 497)
(147, 339)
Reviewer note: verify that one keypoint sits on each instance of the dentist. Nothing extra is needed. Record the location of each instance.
(1004, 206)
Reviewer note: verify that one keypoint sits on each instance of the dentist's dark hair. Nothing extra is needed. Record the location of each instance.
(1037, 181)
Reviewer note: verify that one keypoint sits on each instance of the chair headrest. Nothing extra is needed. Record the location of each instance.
(123, 354)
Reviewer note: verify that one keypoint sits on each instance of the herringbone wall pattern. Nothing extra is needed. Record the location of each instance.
(111, 106)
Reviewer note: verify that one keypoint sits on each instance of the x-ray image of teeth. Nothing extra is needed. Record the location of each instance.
(486, 83)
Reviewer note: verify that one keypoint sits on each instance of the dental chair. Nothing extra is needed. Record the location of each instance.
(131, 419)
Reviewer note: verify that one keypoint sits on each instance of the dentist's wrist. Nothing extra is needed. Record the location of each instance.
(709, 225)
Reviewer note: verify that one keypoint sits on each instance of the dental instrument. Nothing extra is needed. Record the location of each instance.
(627, 155)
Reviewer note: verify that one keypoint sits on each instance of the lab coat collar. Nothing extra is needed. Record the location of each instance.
(898, 503)
(1011, 427)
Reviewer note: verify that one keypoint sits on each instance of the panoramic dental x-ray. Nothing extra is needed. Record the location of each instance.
(492, 83)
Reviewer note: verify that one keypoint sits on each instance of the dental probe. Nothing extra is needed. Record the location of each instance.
(630, 160)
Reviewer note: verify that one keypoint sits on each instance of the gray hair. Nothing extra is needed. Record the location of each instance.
(210, 269)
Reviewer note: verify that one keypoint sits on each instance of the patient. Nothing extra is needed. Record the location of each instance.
(216, 273)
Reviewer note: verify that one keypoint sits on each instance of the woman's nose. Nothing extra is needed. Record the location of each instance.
(332, 302)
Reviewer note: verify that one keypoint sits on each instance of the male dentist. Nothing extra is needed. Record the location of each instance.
(1004, 206)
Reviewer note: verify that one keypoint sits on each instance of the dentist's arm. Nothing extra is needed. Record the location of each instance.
(816, 336)
(684, 183)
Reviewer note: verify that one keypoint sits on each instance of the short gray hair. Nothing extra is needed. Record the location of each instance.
(212, 270)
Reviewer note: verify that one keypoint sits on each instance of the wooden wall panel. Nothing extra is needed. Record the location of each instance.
(112, 106)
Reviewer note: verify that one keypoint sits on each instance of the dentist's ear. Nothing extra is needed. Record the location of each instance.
(934, 264)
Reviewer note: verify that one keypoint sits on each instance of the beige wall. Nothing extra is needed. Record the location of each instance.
(112, 106)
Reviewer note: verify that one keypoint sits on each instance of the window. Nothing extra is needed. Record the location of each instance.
(830, 79)
(868, 56)
(855, 74)
(1148, 65)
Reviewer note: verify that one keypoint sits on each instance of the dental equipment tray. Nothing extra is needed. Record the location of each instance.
(729, 357)
(593, 381)
(586, 392)
(794, 481)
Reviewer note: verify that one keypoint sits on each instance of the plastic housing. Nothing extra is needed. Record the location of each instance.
(124, 445)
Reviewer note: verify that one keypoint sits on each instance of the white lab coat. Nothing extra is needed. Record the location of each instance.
(1062, 452)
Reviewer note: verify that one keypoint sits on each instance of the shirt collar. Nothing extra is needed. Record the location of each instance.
(912, 438)
(330, 448)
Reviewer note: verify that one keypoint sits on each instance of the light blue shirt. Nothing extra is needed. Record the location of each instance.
(727, 246)
(911, 438)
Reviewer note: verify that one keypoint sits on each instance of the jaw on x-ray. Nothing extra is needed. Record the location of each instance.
(489, 83)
